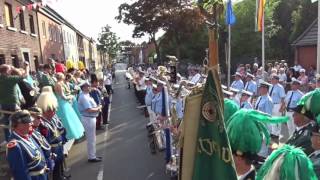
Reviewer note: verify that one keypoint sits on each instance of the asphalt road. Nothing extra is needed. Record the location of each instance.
(124, 146)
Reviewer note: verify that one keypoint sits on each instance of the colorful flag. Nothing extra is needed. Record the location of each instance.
(260, 4)
(230, 17)
(213, 159)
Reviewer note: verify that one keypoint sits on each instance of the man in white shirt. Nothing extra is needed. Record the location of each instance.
(195, 76)
(108, 82)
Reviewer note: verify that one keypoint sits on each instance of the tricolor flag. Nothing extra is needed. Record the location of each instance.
(260, 4)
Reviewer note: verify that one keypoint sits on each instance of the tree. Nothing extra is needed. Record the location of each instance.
(108, 42)
(177, 17)
(143, 14)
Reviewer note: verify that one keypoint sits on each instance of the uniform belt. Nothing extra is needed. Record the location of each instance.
(37, 173)
(56, 145)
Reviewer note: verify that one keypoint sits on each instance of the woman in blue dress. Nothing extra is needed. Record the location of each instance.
(66, 112)
(72, 89)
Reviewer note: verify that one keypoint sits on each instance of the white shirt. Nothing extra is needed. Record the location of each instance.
(108, 79)
(141, 84)
(283, 77)
(297, 68)
(196, 78)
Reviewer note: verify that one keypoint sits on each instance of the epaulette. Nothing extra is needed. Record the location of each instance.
(13, 143)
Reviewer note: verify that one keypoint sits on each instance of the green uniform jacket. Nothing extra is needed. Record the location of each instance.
(315, 158)
(302, 139)
(47, 80)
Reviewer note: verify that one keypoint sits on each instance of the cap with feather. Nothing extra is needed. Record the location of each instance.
(287, 163)
(247, 130)
(310, 103)
(230, 107)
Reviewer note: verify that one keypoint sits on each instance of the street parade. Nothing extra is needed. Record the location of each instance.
(199, 102)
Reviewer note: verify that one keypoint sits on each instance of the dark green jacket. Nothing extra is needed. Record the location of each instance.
(47, 80)
(302, 139)
(315, 158)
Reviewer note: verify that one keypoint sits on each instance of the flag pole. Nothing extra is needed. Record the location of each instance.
(229, 55)
(263, 42)
(318, 43)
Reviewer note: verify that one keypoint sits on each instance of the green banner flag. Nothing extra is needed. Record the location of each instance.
(213, 159)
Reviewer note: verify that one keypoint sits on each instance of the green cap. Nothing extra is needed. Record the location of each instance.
(310, 102)
(230, 107)
(247, 130)
(287, 163)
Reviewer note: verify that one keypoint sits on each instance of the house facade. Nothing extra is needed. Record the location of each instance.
(50, 34)
(19, 34)
(306, 46)
(86, 45)
(70, 44)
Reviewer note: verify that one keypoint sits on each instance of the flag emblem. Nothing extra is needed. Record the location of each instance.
(208, 112)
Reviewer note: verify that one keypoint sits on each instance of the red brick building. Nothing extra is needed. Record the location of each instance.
(51, 42)
(19, 34)
(306, 46)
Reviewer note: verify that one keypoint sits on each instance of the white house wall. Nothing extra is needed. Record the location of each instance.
(70, 44)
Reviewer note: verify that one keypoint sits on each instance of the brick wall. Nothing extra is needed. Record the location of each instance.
(51, 42)
(16, 42)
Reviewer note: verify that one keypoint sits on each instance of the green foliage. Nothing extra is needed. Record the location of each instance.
(192, 46)
(285, 20)
(108, 42)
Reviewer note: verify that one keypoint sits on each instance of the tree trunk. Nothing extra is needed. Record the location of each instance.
(153, 40)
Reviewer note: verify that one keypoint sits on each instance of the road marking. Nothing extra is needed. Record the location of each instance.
(105, 136)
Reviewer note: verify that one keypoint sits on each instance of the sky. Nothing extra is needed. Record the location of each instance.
(90, 16)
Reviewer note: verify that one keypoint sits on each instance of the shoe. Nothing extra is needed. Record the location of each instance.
(102, 127)
(97, 159)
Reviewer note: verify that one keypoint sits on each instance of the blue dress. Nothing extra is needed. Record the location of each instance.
(69, 118)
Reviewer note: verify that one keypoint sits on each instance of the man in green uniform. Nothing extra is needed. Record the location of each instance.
(301, 137)
(47, 79)
(247, 131)
(287, 163)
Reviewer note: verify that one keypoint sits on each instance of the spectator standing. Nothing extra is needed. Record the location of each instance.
(89, 112)
(303, 78)
(9, 97)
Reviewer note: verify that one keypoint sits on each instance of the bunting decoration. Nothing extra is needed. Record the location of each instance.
(30, 7)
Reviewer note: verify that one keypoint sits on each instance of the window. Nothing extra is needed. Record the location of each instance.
(21, 19)
(50, 33)
(36, 62)
(2, 59)
(44, 30)
(54, 37)
(32, 30)
(58, 35)
(15, 61)
(8, 14)
(26, 56)
(64, 37)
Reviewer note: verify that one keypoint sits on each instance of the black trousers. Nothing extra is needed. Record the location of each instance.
(141, 96)
(109, 89)
(58, 171)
